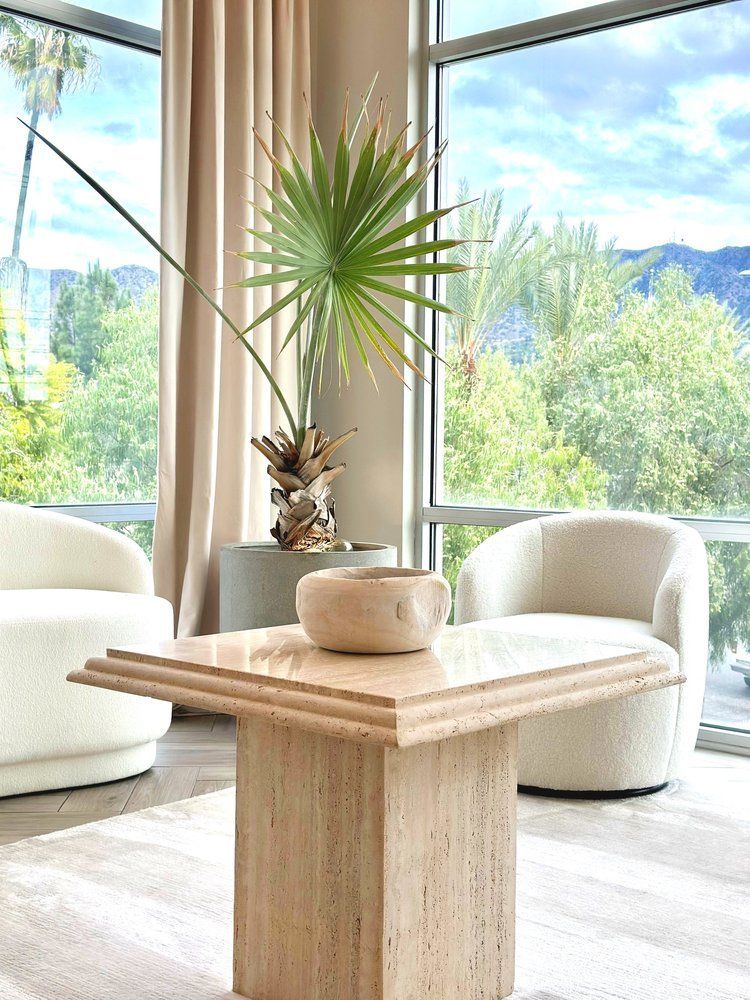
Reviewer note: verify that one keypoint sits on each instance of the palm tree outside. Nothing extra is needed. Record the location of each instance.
(44, 62)
(502, 261)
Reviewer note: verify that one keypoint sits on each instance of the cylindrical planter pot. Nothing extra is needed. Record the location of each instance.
(258, 580)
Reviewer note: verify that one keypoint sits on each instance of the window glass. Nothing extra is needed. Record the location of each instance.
(141, 532)
(78, 288)
(602, 357)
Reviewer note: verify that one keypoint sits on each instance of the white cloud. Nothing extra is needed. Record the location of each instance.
(693, 219)
(533, 173)
(700, 109)
(692, 33)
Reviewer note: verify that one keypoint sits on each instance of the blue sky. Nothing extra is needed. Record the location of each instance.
(643, 129)
(112, 129)
(142, 11)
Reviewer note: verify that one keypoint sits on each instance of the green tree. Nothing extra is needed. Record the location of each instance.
(577, 290)
(30, 414)
(500, 449)
(110, 419)
(657, 394)
(44, 62)
(91, 439)
(79, 329)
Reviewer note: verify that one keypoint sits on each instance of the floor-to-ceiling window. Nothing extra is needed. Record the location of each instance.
(78, 288)
(601, 357)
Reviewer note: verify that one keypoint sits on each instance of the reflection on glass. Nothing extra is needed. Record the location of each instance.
(727, 699)
(78, 289)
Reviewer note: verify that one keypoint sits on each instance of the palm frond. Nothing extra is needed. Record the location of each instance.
(336, 238)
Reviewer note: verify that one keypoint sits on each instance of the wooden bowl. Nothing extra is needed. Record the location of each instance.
(373, 609)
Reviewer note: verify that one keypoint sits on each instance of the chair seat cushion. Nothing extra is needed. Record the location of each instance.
(66, 607)
(628, 632)
(616, 745)
(44, 634)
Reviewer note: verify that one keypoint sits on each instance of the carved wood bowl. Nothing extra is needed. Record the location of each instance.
(373, 609)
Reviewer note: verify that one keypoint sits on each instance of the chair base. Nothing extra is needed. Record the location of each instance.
(625, 793)
(48, 774)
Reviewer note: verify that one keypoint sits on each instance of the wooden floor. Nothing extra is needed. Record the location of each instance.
(197, 755)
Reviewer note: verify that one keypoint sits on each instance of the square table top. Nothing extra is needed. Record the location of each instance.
(471, 678)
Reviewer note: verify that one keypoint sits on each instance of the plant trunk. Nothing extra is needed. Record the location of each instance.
(307, 511)
(23, 193)
(468, 365)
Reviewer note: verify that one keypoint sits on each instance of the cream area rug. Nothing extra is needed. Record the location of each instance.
(647, 899)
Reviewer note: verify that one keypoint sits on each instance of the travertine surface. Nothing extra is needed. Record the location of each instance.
(367, 873)
(469, 680)
(376, 797)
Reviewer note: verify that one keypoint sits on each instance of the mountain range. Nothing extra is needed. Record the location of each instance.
(132, 278)
(715, 272)
(718, 272)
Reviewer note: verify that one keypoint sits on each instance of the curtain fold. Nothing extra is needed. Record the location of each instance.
(225, 63)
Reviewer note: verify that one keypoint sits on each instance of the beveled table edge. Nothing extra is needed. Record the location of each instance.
(409, 721)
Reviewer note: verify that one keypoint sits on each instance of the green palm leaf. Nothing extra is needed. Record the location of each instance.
(336, 239)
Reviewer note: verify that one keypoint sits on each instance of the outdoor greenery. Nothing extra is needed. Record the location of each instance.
(90, 435)
(628, 400)
(79, 311)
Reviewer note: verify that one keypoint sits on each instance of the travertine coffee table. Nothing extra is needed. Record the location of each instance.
(376, 798)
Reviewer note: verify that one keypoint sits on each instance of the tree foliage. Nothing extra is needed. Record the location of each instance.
(501, 260)
(80, 311)
(498, 443)
(631, 401)
(87, 439)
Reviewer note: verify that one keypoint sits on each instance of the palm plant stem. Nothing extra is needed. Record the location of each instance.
(179, 268)
(308, 371)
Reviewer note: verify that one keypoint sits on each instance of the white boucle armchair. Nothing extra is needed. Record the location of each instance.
(68, 590)
(634, 580)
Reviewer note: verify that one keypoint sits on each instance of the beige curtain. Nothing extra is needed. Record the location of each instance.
(225, 63)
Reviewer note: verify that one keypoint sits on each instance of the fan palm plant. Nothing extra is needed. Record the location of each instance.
(499, 266)
(336, 239)
(44, 63)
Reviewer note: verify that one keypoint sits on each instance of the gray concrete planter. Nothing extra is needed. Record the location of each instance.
(258, 580)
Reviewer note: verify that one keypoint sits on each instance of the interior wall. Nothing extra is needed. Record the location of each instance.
(375, 498)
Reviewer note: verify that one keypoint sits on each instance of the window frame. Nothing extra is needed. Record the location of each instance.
(437, 54)
(135, 36)
(87, 22)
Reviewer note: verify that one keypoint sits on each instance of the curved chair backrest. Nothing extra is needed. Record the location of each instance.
(42, 549)
(605, 563)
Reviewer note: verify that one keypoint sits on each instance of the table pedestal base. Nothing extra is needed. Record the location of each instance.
(370, 873)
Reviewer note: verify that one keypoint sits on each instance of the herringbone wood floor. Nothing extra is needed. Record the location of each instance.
(195, 756)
